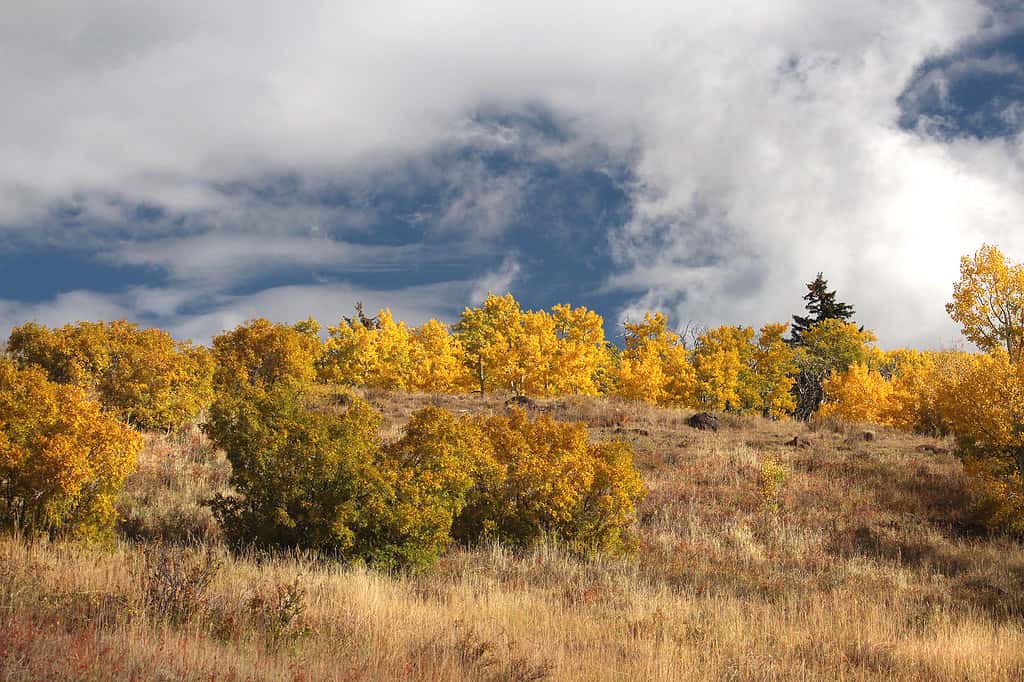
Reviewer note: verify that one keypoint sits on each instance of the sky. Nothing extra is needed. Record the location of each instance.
(192, 165)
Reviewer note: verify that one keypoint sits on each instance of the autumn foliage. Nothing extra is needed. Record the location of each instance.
(312, 475)
(316, 478)
(143, 375)
(62, 460)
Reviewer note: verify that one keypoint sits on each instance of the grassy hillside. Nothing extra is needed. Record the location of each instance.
(849, 558)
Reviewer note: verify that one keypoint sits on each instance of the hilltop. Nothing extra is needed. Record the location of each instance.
(849, 557)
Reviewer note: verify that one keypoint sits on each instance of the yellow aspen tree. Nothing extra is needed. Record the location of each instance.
(915, 377)
(377, 355)
(488, 334)
(436, 361)
(858, 394)
(641, 375)
(829, 346)
(349, 354)
(774, 368)
(988, 302)
(579, 351)
(533, 357)
(391, 345)
(983, 404)
(654, 366)
(722, 359)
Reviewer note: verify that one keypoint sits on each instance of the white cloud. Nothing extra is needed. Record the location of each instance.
(763, 134)
(161, 307)
(222, 259)
(499, 282)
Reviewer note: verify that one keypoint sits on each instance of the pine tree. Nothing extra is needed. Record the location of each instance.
(822, 305)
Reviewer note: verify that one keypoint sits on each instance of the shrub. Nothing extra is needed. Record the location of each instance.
(303, 478)
(259, 354)
(550, 481)
(62, 460)
(996, 493)
(143, 375)
(431, 472)
(175, 581)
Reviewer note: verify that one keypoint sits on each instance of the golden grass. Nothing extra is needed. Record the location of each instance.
(863, 565)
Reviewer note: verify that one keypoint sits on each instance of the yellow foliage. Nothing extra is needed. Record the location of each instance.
(580, 351)
(982, 400)
(859, 394)
(488, 334)
(996, 492)
(550, 481)
(721, 360)
(840, 344)
(143, 375)
(988, 302)
(654, 367)
(260, 354)
(917, 379)
(437, 361)
(433, 471)
(774, 366)
(377, 356)
(62, 460)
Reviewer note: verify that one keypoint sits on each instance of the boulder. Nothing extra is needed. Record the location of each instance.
(521, 401)
(703, 421)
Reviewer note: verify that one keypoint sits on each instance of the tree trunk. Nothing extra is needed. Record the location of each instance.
(480, 373)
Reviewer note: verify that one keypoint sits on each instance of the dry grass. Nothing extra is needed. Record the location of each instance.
(859, 564)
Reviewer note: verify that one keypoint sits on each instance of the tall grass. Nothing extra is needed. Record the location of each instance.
(863, 566)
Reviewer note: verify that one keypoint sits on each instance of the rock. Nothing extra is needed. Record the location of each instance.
(521, 401)
(798, 442)
(703, 421)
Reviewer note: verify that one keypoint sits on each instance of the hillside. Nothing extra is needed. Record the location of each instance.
(849, 558)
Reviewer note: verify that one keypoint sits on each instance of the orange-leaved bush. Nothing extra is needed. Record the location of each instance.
(143, 375)
(550, 481)
(63, 461)
(260, 353)
(433, 472)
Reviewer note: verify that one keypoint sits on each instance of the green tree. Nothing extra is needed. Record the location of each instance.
(822, 305)
(830, 346)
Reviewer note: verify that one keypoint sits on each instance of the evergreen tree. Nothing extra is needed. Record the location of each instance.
(822, 305)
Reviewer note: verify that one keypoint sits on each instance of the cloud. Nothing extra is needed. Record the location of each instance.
(220, 259)
(498, 282)
(162, 307)
(762, 140)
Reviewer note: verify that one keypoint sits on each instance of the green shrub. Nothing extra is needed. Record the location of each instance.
(303, 478)
(313, 479)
